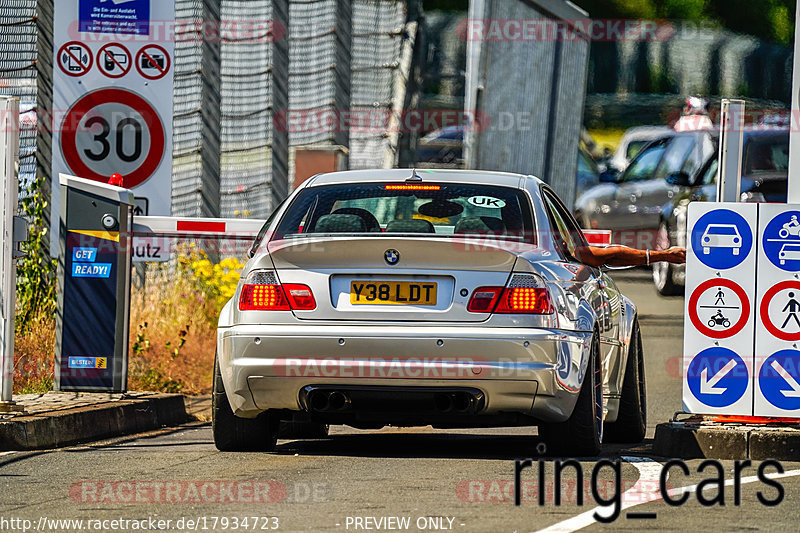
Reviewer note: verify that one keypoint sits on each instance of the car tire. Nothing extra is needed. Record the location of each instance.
(631, 423)
(302, 429)
(664, 273)
(234, 434)
(581, 435)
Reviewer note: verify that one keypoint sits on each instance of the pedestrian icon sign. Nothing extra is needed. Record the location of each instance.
(719, 308)
(781, 241)
(722, 239)
(718, 377)
(780, 310)
(779, 380)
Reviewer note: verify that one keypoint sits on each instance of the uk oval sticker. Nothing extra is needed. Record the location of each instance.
(487, 201)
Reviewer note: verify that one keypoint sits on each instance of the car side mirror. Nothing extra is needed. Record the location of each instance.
(679, 178)
(609, 176)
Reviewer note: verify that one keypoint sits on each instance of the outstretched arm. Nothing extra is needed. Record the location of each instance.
(622, 256)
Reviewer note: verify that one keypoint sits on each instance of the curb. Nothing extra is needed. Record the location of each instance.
(697, 440)
(80, 424)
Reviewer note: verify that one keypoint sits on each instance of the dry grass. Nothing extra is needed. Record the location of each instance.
(172, 334)
(33, 356)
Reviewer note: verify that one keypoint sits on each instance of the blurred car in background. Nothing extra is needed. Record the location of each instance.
(765, 174)
(444, 145)
(631, 204)
(588, 172)
(632, 142)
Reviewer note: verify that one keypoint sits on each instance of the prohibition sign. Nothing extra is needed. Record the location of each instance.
(764, 312)
(698, 322)
(74, 59)
(90, 101)
(153, 58)
(113, 57)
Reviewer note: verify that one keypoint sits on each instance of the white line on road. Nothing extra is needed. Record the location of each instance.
(5, 453)
(649, 473)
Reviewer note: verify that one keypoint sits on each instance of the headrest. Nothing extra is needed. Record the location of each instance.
(340, 224)
(479, 225)
(410, 226)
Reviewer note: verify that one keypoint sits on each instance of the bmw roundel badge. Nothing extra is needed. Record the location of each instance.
(391, 256)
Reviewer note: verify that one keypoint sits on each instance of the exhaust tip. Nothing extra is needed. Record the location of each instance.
(318, 401)
(462, 401)
(443, 402)
(338, 401)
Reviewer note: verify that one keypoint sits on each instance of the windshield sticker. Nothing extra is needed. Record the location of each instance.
(487, 201)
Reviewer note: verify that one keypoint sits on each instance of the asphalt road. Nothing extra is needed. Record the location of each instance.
(373, 481)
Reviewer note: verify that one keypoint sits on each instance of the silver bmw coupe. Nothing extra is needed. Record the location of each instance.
(426, 297)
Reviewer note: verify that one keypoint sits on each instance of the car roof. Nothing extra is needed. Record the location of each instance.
(485, 177)
(640, 133)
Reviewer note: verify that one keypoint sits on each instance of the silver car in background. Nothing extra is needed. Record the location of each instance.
(409, 298)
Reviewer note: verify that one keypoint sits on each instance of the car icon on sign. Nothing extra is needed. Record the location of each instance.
(789, 252)
(721, 236)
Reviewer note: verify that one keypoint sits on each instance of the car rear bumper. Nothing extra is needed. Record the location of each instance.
(534, 372)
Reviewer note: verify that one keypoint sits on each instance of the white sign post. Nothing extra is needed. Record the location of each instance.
(112, 97)
(731, 139)
(9, 159)
(794, 130)
(719, 329)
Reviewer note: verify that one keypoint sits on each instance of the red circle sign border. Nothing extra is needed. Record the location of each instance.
(100, 55)
(139, 66)
(705, 330)
(64, 48)
(105, 96)
(764, 311)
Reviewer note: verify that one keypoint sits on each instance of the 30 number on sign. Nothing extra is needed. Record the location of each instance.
(113, 130)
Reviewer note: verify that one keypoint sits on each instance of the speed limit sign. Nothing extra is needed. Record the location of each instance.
(113, 130)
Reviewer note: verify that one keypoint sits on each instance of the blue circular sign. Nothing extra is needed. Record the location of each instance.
(722, 239)
(779, 379)
(781, 241)
(717, 377)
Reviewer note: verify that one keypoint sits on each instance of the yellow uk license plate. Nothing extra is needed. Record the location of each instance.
(392, 293)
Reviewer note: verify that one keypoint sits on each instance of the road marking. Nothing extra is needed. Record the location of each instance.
(649, 473)
(5, 453)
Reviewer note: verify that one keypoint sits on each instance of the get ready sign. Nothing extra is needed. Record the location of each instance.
(741, 353)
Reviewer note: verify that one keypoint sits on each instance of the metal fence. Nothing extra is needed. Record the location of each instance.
(18, 73)
(345, 56)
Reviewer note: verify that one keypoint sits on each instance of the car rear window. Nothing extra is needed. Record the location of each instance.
(769, 154)
(438, 210)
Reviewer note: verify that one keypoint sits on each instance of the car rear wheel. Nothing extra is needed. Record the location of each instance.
(664, 273)
(631, 423)
(234, 434)
(582, 433)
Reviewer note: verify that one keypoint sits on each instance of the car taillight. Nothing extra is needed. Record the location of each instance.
(525, 294)
(262, 292)
(484, 299)
(525, 300)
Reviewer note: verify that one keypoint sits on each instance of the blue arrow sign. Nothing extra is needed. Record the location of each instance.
(779, 379)
(717, 377)
(721, 239)
(782, 241)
